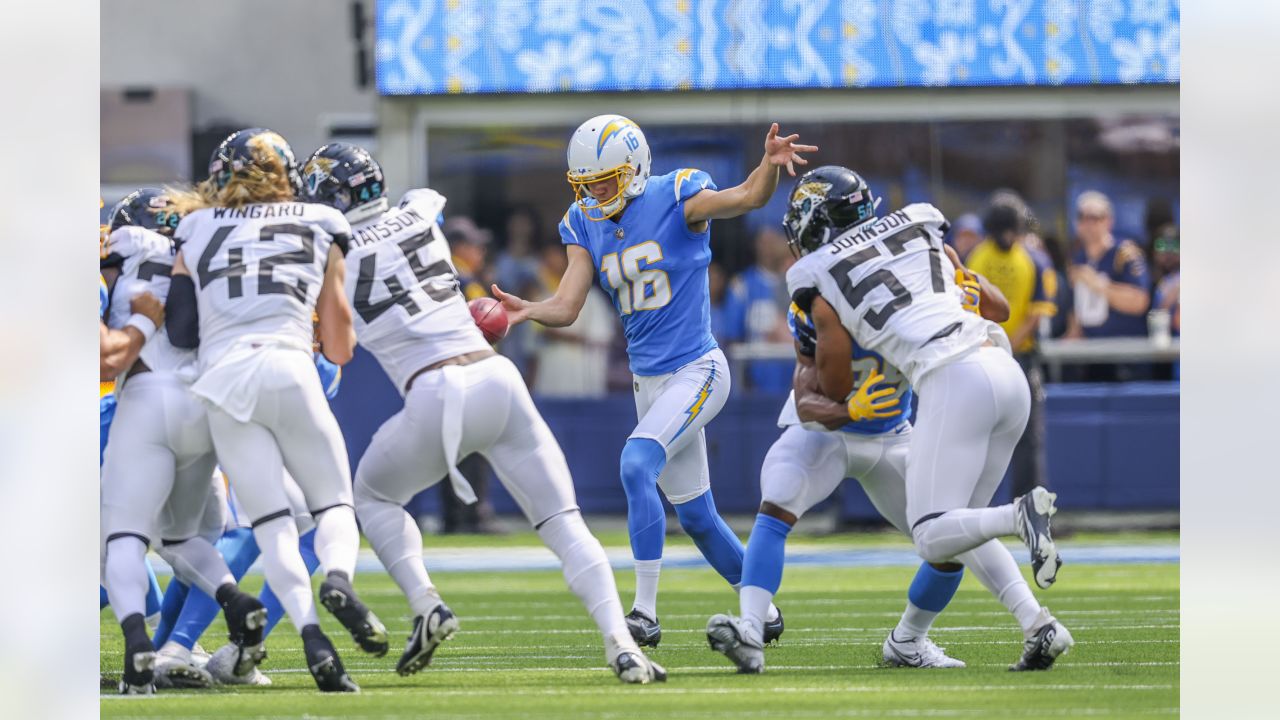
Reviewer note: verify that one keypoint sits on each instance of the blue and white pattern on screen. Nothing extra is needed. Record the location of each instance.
(485, 46)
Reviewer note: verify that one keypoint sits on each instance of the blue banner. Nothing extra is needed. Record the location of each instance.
(427, 47)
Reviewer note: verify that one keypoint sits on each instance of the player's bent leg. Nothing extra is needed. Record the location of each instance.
(717, 543)
(336, 536)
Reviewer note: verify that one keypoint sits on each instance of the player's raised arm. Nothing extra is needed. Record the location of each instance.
(562, 308)
(756, 190)
(336, 329)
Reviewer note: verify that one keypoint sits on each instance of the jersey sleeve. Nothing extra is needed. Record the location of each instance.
(1131, 265)
(802, 285)
(571, 230)
(426, 201)
(930, 216)
(689, 182)
(335, 223)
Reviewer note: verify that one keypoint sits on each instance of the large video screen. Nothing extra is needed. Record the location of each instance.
(428, 47)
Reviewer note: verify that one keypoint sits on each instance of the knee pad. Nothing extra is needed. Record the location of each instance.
(921, 535)
(642, 462)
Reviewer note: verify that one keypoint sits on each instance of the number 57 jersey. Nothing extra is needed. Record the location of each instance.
(894, 290)
(404, 291)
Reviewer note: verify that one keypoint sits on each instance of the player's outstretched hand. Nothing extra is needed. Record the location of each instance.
(148, 305)
(517, 308)
(785, 150)
(864, 404)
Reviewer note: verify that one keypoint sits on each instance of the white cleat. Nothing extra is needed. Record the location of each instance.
(731, 637)
(222, 666)
(199, 655)
(630, 664)
(917, 652)
(175, 668)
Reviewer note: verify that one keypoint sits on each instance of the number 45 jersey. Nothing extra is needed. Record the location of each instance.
(894, 290)
(258, 270)
(404, 291)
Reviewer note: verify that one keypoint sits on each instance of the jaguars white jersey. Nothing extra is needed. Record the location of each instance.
(894, 290)
(146, 261)
(403, 288)
(258, 270)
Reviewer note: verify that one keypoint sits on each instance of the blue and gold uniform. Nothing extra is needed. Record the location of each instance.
(654, 269)
(106, 390)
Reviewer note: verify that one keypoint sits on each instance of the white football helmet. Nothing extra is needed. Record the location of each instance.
(604, 147)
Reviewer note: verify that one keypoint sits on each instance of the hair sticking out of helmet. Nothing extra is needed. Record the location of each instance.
(824, 203)
(254, 165)
(606, 149)
(347, 178)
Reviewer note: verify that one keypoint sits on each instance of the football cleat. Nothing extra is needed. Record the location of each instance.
(139, 671)
(1045, 645)
(222, 668)
(920, 652)
(199, 655)
(324, 663)
(339, 598)
(773, 628)
(1033, 512)
(644, 630)
(175, 668)
(428, 632)
(632, 667)
(246, 625)
(729, 636)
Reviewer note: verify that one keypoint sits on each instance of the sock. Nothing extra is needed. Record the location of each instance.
(647, 574)
(714, 539)
(396, 539)
(337, 540)
(175, 597)
(642, 462)
(929, 593)
(586, 569)
(771, 613)
(126, 577)
(754, 603)
(944, 537)
(198, 562)
(239, 549)
(275, 611)
(762, 571)
(285, 570)
(155, 598)
(998, 572)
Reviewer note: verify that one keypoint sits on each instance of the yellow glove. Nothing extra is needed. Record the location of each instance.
(864, 404)
(971, 288)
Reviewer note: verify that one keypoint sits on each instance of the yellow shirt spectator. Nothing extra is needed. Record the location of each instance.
(1025, 278)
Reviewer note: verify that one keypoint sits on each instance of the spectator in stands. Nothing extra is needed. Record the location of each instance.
(469, 244)
(1027, 280)
(572, 361)
(517, 267)
(1110, 278)
(759, 301)
(718, 285)
(966, 233)
(1056, 249)
(1167, 259)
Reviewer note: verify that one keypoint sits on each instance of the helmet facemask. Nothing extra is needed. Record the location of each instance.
(592, 208)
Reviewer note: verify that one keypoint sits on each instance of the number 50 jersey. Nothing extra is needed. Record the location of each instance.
(258, 270)
(404, 291)
(894, 290)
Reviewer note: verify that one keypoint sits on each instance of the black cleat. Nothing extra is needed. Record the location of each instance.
(1043, 648)
(246, 624)
(324, 663)
(644, 630)
(1033, 512)
(636, 669)
(138, 677)
(338, 597)
(428, 632)
(773, 630)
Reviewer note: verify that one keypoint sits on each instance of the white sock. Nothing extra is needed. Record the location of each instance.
(586, 569)
(397, 540)
(199, 563)
(996, 569)
(647, 572)
(915, 622)
(411, 575)
(756, 604)
(956, 531)
(338, 540)
(285, 571)
(125, 576)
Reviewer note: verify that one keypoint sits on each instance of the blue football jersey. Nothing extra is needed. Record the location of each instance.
(654, 269)
(864, 363)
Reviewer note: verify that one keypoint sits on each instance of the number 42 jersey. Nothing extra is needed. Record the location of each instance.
(409, 311)
(894, 290)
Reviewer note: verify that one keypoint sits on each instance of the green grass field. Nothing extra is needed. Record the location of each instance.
(527, 649)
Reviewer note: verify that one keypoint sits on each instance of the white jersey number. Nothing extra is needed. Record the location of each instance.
(896, 244)
(437, 280)
(236, 269)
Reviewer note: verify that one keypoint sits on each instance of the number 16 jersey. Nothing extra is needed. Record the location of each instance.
(409, 311)
(894, 290)
(258, 270)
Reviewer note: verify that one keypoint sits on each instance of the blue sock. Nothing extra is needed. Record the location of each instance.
(275, 611)
(102, 598)
(154, 597)
(642, 462)
(175, 596)
(766, 550)
(713, 537)
(240, 550)
(932, 588)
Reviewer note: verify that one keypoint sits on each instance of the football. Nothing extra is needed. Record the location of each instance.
(490, 317)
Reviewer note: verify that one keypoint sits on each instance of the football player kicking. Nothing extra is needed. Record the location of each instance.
(647, 239)
(886, 284)
(252, 268)
(824, 442)
(155, 477)
(460, 397)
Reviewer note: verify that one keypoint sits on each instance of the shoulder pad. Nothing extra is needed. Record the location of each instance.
(432, 202)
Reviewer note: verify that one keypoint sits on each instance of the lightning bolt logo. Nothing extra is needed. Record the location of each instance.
(613, 128)
(695, 409)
